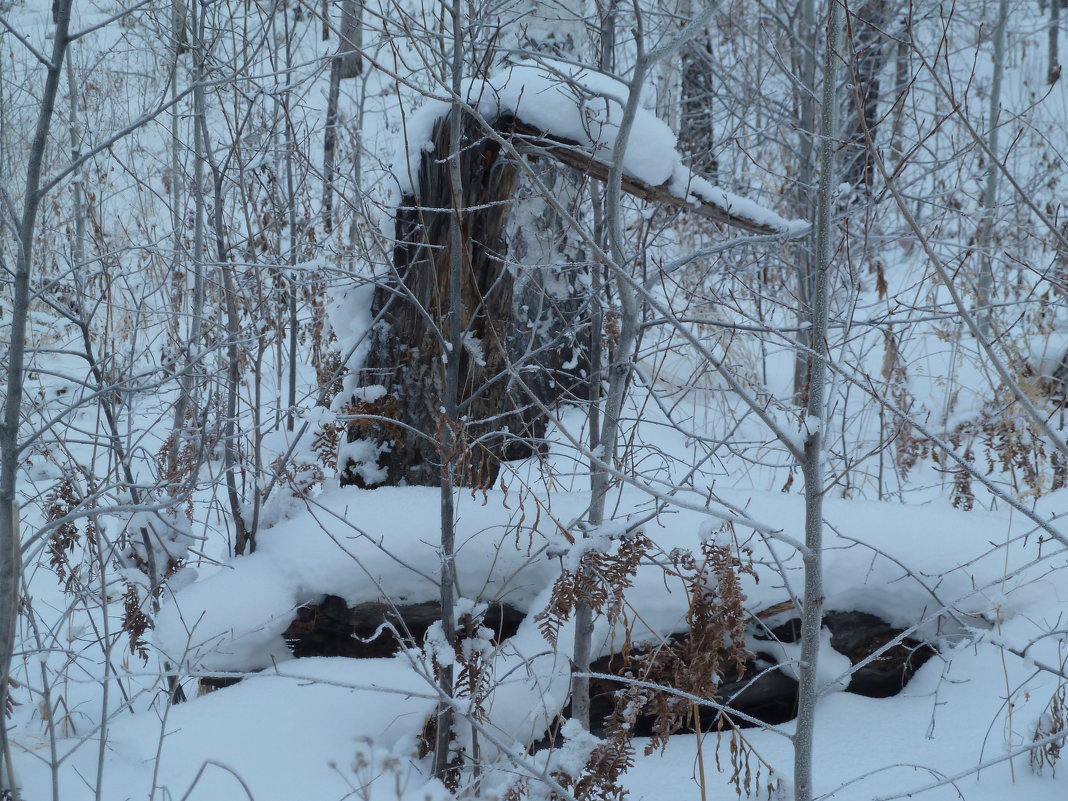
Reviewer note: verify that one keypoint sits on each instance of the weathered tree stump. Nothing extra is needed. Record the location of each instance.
(400, 419)
(408, 353)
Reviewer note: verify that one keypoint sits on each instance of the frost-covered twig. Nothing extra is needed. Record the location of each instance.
(221, 766)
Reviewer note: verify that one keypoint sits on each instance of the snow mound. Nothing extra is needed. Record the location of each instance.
(361, 545)
(910, 566)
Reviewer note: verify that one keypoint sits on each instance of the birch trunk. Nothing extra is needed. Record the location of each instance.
(583, 643)
(812, 460)
(605, 458)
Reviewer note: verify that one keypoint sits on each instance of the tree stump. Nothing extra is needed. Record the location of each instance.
(397, 417)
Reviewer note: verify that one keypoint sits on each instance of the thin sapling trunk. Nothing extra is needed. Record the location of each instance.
(450, 424)
(814, 425)
(990, 189)
(10, 546)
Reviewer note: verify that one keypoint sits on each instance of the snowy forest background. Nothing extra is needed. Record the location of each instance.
(419, 399)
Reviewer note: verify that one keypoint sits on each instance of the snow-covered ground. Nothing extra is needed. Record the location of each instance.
(296, 727)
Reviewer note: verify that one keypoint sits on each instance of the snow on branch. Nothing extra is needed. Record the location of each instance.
(572, 114)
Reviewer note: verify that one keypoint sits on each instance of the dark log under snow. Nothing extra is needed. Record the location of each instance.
(762, 691)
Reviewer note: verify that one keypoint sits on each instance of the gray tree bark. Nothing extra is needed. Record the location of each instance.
(582, 647)
(348, 63)
(985, 288)
(866, 60)
(551, 273)
(243, 536)
(606, 456)
(451, 422)
(696, 137)
(901, 87)
(812, 461)
(804, 61)
(10, 546)
(192, 339)
(1053, 72)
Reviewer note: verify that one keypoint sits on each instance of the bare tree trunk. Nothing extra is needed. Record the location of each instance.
(1054, 71)
(293, 249)
(78, 246)
(549, 261)
(815, 421)
(243, 538)
(805, 62)
(451, 435)
(583, 644)
(346, 64)
(10, 547)
(330, 144)
(696, 137)
(866, 58)
(901, 87)
(607, 457)
(192, 339)
(351, 59)
(983, 244)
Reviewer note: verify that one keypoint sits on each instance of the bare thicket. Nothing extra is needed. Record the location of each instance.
(243, 265)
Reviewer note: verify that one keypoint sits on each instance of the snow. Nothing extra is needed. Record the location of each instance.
(293, 721)
(232, 620)
(350, 319)
(361, 457)
(832, 668)
(960, 572)
(351, 543)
